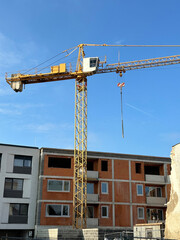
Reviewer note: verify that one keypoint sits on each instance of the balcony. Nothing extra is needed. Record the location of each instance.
(18, 219)
(92, 222)
(92, 175)
(156, 201)
(92, 197)
(154, 178)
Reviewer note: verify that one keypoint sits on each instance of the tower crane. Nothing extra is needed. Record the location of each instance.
(85, 67)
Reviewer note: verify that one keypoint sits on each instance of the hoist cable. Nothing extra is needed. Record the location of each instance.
(122, 113)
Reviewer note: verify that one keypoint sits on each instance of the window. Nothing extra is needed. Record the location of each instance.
(22, 164)
(57, 162)
(153, 191)
(104, 211)
(59, 185)
(90, 212)
(13, 184)
(139, 189)
(90, 166)
(155, 214)
(18, 209)
(140, 213)
(93, 62)
(104, 188)
(104, 166)
(13, 187)
(90, 188)
(138, 167)
(59, 210)
(18, 213)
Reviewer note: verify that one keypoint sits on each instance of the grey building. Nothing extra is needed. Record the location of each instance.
(18, 178)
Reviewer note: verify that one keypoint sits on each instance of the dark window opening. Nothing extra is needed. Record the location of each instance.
(90, 212)
(138, 167)
(54, 162)
(93, 62)
(13, 187)
(90, 166)
(104, 165)
(18, 213)
(152, 170)
(22, 164)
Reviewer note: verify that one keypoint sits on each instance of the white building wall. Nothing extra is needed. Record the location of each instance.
(29, 186)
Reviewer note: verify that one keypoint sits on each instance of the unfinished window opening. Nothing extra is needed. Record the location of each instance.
(152, 170)
(90, 165)
(138, 167)
(55, 162)
(104, 166)
(90, 212)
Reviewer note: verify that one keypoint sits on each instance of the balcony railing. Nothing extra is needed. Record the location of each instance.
(92, 222)
(92, 197)
(154, 178)
(92, 175)
(156, 200)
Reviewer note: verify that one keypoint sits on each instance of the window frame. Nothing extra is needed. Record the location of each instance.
(140, 218)
(90, 183)
(19, 210)
(63, 183)
(106, 186)
(139, 194)
(12, 182)
(23, 158)
(107, 210)
(61, 205)
(155, 190)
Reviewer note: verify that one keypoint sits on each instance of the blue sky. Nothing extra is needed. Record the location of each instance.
(43, 114)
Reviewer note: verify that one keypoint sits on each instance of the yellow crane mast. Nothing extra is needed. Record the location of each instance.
(85, 67)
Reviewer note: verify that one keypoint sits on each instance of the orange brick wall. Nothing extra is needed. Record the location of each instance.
(122, 218)
(58, 171)
(121, 169)
(105, 174)
(106, 197)
(121, 192)
(55, 220)
(134, 175)
(56, 195)
(106, 221)
(135, 197)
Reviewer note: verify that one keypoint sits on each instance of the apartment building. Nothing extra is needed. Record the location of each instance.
(122, 190)
(18, 193)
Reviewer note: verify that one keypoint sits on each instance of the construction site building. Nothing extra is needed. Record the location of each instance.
(122, 190)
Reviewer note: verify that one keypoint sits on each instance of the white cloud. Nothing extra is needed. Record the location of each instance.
(8, 111)
(45, 127)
